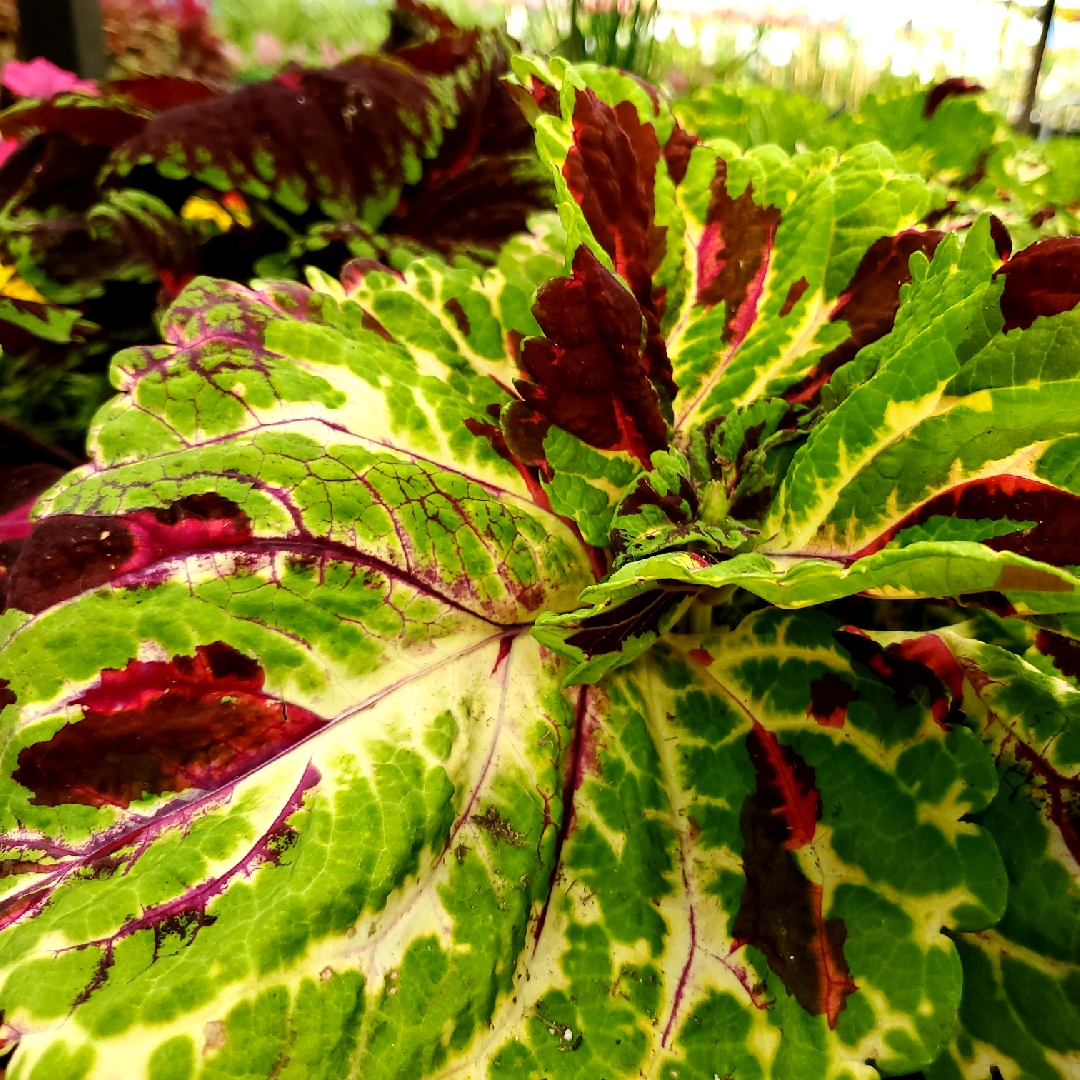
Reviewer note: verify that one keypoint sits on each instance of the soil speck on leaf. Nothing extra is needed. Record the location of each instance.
(215, 1035)
(493, 822)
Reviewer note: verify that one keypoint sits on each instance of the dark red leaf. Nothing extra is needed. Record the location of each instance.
(158, 93)
(945, 89)
(734, 254)
(589, 375)
(829, 698)
(1003, 244)
(781, 911)
(485, 202)
(977, 174)
(20, 485)
(525, 431)
(51, 172)
(611, 172)
(930, 651)
(67, 554)
(1055, 539)
(427, 37)
(1042, 216)
(341, 136)
(27, 468)
(606, 632)
(868, 304)
(194, 722)
(101, 121)
(992, 600)
(677, 152)
(545, 96)
(1043, 279)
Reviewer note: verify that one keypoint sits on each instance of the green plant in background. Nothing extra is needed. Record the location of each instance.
(969, 154)
(653, 653)
(617, 34)
(264, 36)
(613, 34)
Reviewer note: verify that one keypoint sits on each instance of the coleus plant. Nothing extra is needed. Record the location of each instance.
(416, 683)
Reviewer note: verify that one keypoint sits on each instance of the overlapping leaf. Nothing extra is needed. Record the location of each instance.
(1021, 1006)
(730, 899)
(325, 583)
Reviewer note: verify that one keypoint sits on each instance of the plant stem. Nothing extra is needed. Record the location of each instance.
(1025, 123)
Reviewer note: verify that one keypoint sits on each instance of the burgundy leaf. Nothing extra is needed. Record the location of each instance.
(337, 135)
(75, 249)
(488, 119)
(781, 910)
(427, 38)
(51, 172)
(27, 468)
(1042, 216)
(1003, 244)
(868, 304)
(611, 172)
(485, 202)
(589, 375)
(158, 93)
(607, 631)
(100, 121)
(1055, 539)
(1043, 279)
(522, 453)
(916, 668)
(677, 152)
(947, 88)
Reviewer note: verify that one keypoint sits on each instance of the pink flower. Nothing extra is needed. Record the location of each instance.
(7, 148)
(40, 78)
(267, 50)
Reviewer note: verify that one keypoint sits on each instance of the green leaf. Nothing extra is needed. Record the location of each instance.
(773, 243)
(1021, 1001)
(642, 963)
(308, 587)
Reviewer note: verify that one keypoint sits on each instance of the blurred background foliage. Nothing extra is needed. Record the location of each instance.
(835, 51)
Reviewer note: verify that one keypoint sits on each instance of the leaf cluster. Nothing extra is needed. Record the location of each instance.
(113, 201)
